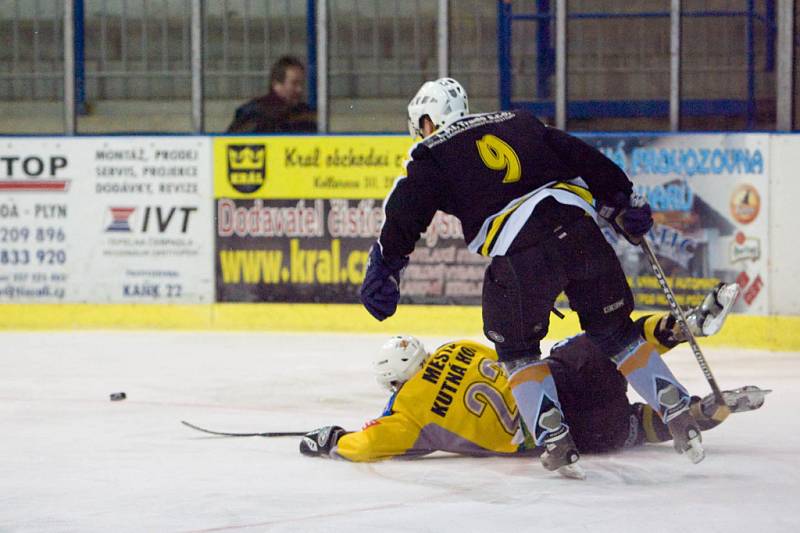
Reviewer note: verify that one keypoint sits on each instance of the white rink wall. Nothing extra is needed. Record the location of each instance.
(784, 230)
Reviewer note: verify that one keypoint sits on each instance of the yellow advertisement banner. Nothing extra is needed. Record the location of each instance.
(308, 167)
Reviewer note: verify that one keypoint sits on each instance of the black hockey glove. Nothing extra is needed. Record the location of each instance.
(630, 217)
(380, 290)
(320, 441)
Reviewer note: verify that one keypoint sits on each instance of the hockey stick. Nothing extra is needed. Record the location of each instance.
(681, 319)
(265, 434)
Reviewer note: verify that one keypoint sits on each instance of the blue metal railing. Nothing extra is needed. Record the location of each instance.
(545, 63)
(80, 57)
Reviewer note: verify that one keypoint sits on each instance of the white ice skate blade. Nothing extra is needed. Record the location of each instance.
(573, 471)
(695, 453)
(726, 297)
(744, 399)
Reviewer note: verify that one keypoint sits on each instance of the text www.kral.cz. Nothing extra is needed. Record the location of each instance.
(300, 265)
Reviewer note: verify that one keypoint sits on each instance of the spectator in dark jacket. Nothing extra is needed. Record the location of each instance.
(282, 110)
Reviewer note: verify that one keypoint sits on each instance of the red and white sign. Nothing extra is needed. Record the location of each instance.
(122, 219)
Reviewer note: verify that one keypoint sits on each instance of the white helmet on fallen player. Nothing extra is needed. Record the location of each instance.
(398, 360)
(443, 100)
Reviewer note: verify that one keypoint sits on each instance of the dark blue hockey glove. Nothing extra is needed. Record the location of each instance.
(321, 441)
(380, 290)
(630, 217)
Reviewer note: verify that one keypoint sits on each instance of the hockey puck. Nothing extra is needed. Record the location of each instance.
(117, 396)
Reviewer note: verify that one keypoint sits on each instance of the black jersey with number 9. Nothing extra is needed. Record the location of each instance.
(492, 171)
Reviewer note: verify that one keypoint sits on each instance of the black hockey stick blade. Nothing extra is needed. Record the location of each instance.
(264, 434)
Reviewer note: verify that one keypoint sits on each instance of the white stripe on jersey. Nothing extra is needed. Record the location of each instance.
(479, 239)
(522, 213)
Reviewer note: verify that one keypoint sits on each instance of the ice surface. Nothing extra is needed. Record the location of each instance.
(71, 460)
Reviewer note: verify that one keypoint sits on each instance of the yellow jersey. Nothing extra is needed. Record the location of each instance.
(461, 402)
(458, 402)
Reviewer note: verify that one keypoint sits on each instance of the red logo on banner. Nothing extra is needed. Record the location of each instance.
(753, 290)
(34, 186)
(120, 218)
(22, 173)
(742, 280)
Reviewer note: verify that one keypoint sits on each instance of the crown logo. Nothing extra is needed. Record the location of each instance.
(247, 166)
(246, 158)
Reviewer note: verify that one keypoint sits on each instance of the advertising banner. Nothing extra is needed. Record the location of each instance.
(709, 196)
(296, 217)
(119, 219)
(295, 167)
(316, 251)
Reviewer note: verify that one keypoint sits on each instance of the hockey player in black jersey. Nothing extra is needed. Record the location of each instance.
(528, 196)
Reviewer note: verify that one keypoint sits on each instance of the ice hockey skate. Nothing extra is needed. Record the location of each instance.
(743, 399)
(686, 436)
(747, 398)
(707, 319)
(681, 424)
(561, 455)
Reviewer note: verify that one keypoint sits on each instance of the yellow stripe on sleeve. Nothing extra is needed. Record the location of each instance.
(576, 189)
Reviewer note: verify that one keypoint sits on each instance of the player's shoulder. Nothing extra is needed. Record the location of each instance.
(466, 124)
(452, 134)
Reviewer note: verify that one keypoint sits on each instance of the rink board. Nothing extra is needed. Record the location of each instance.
(271, 233)
(106, 220)
(290, 219)
(743, 331)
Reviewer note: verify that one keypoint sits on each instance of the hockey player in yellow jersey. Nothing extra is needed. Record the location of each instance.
(457, 399)
(459, 402)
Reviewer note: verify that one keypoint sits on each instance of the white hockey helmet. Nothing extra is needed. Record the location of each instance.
(443, 100)
(398, 360)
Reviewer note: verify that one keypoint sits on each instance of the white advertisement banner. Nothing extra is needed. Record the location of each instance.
(709, 195)
(106, 219)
